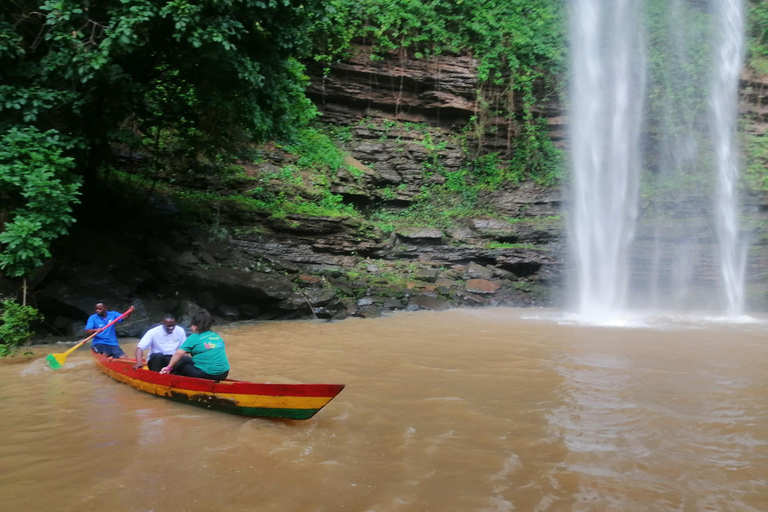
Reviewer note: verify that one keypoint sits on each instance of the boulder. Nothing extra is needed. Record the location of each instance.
(420, 301)
(482, 286)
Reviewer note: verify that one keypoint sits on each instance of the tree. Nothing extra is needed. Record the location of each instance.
(38, 193)
(117, 71)
(78, 77)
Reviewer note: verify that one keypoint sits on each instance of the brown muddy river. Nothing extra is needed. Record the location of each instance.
(464, 410)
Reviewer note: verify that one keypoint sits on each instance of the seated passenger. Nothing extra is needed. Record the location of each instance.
(162, 342)
(209, 359)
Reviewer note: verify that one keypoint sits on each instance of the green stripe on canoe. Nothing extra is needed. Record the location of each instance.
(257, 412)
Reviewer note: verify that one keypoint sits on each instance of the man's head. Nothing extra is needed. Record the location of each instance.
(101, 309)
(169, 322)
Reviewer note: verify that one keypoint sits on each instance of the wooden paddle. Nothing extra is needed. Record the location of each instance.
(56, 361)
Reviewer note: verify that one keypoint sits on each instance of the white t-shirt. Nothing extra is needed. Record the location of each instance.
(157, 339)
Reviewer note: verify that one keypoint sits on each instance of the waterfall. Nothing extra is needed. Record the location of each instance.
(606, 100)
(725, 83)
(641, 99)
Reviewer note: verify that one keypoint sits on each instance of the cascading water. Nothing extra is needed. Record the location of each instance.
(639, 81)
(607, 91)
(724, 116)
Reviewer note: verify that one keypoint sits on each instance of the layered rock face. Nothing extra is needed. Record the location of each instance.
(441, 91)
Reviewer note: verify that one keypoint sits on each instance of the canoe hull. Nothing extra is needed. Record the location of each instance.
(291, 401)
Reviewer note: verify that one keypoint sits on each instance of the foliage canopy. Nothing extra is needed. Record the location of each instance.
(81, 78)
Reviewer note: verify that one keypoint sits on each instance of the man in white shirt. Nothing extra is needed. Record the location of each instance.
(162, 342)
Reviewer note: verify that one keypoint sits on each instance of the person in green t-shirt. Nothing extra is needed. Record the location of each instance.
(209, 357)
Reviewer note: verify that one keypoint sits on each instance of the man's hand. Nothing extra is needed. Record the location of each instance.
(139, 365)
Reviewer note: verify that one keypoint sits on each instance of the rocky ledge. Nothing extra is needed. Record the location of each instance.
(292, 268)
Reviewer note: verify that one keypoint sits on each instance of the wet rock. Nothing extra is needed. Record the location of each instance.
(62, 326)
(482, 286)
(75, 298)
(269, 315)
(295, 302)
(427, 274)
(239, 284)
(229, 313)
(77, 329)
(134, 328)
(307, 280)
(392, 303)
(249, 311)
(417, 235)
(138, 279)
(421, 301)
(461, 234)
(526, 200)
(207, 300)
(471, 299)
(320, 297)
(476, 271)
(520, 265)
(208, 259)
(446, 283)
(301, 224)
(186, 309)
(368, 312)
(186, 258)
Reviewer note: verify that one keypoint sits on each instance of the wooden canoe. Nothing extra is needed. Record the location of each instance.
(292, 401)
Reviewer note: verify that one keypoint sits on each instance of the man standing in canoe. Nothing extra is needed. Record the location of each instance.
(162, 342)
(105, 342)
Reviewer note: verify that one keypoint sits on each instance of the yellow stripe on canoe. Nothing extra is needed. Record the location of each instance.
(263, 401)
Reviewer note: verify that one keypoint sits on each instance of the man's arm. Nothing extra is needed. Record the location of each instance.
(90, 326)
(139, 359)
(144, 343)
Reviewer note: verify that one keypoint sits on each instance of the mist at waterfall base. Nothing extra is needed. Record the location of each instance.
(653, 220)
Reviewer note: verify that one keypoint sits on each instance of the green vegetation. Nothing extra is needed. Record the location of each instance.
(15, 322)
(38, 193)
(506, 245)
(756, 161)
(185, 82)
(301, 186)
(757, 31)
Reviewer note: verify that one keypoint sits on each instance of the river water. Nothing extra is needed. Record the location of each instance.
(481, 410)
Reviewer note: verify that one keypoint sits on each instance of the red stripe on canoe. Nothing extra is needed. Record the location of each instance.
(125, 367)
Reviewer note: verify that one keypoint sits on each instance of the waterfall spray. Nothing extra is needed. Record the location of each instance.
(725, 83)
(607, 92)
(636, 83)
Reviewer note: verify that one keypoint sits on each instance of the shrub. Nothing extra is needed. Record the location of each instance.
(15, 326)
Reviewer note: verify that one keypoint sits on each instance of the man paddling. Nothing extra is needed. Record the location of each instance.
(162, 342)
(105, 341)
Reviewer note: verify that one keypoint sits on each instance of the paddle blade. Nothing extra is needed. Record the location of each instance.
(55, 361)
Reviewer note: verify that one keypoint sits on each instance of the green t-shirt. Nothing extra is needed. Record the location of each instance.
(207, 350)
